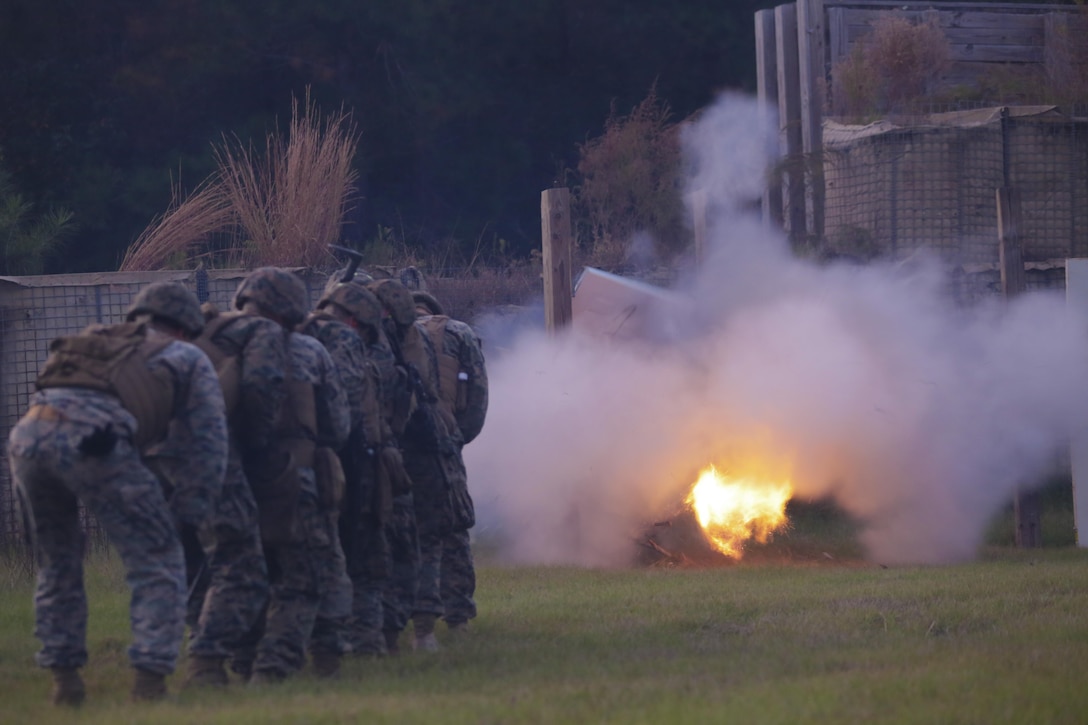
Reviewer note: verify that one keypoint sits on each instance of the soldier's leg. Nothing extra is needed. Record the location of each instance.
(60, 602)
(458, 580)
(398, 598)
(428, 606)
(369, 570)
(329, 638)
(237, 577)
(127, 501)
(293, 594)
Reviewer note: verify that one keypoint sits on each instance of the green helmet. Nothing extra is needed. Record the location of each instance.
(172, 301)
(277, 292)
(427, 301)
(359, 302)
(396, 299)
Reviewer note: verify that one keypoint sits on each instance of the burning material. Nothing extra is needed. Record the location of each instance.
(731, 510)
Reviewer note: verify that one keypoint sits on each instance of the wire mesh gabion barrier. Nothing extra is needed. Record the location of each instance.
(893, 187)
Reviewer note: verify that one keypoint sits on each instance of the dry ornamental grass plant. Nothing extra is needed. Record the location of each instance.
(280, 207)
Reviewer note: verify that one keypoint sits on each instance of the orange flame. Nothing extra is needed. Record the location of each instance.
(732, 510)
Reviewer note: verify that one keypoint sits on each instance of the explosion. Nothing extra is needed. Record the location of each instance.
(732, 510)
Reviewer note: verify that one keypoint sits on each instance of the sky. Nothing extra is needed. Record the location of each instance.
(866, 384)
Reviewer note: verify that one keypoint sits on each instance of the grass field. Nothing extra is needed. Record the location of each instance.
(787, 639)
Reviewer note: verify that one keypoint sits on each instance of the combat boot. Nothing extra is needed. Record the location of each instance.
(68, 687)
(423, 626)
(326, 664)
(206, 672)
(148, 686)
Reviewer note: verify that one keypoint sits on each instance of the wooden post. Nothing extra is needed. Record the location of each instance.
(1027, 507)
(767, 93)
(556, 236)
(790, 142)
(698, 211)
(811, 56)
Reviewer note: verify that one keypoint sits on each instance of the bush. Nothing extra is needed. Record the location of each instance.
(629, 185)
(892, 69)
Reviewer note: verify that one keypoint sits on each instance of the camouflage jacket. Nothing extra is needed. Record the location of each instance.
(192, 459)
(311, 363)
(258, 344)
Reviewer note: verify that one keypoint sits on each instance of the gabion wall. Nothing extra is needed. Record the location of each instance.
(893, 188)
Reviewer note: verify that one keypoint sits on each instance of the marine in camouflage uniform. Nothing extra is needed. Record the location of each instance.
(299, 511)
(391, 566)
(101, 417)
(430, 443)
(231, 591)
(448, 574)
(347, 319)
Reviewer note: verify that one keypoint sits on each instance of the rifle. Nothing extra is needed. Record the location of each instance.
(355, 259)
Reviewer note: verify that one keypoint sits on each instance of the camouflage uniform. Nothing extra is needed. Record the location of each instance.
(430, 447)
(232, 590)
(308, 560)
(448, 575)
(77, 444)
(346, 349)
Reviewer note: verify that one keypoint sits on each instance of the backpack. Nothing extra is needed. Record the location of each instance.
(462, 374)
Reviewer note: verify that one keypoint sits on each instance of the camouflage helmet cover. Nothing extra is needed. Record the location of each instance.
(172, 301)
(360, 302)
(277, 292)
(428, 302)
(396, 299)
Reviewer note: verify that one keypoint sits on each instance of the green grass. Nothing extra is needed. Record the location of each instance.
(1001, 640)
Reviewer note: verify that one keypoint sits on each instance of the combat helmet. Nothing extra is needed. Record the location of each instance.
(428, 302)
(171, 301)
(277, 292)
(396, 299)
(360, 302)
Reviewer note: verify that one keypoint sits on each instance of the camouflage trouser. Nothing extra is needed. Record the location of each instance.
(458, 578)
(399, 595)
(230, 593)
(369, 566)
(447, 577)
(126, 500)
(299, 572)
(334, 612)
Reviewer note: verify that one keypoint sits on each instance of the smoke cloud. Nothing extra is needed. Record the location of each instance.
(866, 384)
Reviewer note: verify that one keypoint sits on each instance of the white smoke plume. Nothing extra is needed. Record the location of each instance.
(862, 383)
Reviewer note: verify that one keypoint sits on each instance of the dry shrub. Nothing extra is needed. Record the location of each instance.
(291, 203)
(466, 296)
(891, 69)
(629, 182)
(282, 206)
(188, 225)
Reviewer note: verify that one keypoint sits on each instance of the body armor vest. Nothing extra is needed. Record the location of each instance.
(227, 366)
(113, 359)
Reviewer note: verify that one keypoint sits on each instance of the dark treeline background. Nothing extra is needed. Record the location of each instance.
(467, 109)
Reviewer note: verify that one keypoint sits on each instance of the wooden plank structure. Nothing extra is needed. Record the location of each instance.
(809, 37)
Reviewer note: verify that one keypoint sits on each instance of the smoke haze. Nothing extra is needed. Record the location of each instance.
(861, 383)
